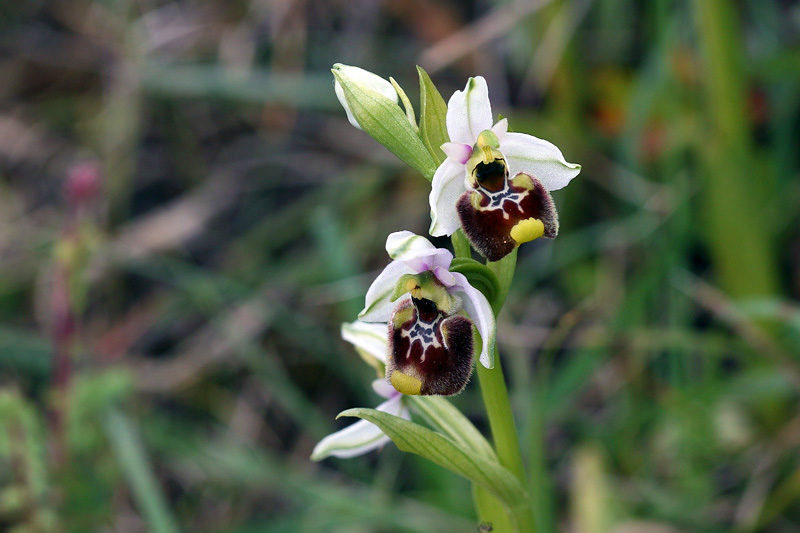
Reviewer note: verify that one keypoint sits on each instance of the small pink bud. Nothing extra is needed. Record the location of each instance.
(84, 181)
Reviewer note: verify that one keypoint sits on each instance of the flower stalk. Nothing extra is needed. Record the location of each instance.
(495, 393)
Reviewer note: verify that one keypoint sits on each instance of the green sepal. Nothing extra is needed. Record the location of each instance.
(406, 104)
(481, 468)
(432, 117)
(478, 275)
(386, 122)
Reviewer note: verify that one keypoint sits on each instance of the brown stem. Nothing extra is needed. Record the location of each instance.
(63, 334)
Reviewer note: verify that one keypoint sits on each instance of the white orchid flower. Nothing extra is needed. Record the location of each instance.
(430, 339)
(472, 188)
(372, 343)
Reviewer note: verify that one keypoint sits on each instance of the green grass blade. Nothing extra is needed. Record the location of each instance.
(138, 472)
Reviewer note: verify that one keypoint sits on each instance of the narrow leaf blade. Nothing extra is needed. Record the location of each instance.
(133, 460)
(442, 414)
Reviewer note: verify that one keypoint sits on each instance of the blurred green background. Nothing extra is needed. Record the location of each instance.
(186, 218)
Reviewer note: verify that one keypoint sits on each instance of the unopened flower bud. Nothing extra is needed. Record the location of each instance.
(365, 80)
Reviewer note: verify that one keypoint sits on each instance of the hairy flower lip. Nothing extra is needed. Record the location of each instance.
(430, 351)
(497, 221)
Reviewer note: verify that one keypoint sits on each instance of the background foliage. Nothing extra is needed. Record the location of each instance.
(169, 345)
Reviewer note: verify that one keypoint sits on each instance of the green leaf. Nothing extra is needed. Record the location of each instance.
(22, 443)
(479, 276)
(482, 469)
(432, 118)
(90, 395)
(385, 121)
(138, 471)
(443, 415)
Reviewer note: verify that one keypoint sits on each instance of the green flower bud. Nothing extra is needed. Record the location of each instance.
(367, 81)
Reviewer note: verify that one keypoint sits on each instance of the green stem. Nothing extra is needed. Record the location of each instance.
(495, 392)
(504, 430)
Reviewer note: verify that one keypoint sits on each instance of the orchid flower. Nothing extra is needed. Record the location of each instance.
(472, 188)
(430, 339)
(371, 342)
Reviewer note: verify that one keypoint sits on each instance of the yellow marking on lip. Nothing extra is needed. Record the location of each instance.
(405, 384)
(402, 316)
(527, 230)
(475, 200)
(413, 287)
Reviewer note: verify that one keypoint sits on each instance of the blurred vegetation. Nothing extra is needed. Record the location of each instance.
(186, 217)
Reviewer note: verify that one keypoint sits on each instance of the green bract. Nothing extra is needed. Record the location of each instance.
(433, 110)
(479, 276)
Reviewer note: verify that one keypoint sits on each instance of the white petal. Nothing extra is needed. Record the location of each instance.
(500, 129)
(477, 307)
(447, 186)
(371, 338)
(378, 305)
(469, 112)
(539, 158)
(367, 80)
(384, 388)
(457, 152)
(416, 251)
(444, 276)
(359, 438)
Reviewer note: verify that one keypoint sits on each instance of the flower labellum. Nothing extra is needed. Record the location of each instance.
(498, 213)
(473, 189)
(497, 221)
(430, 348)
